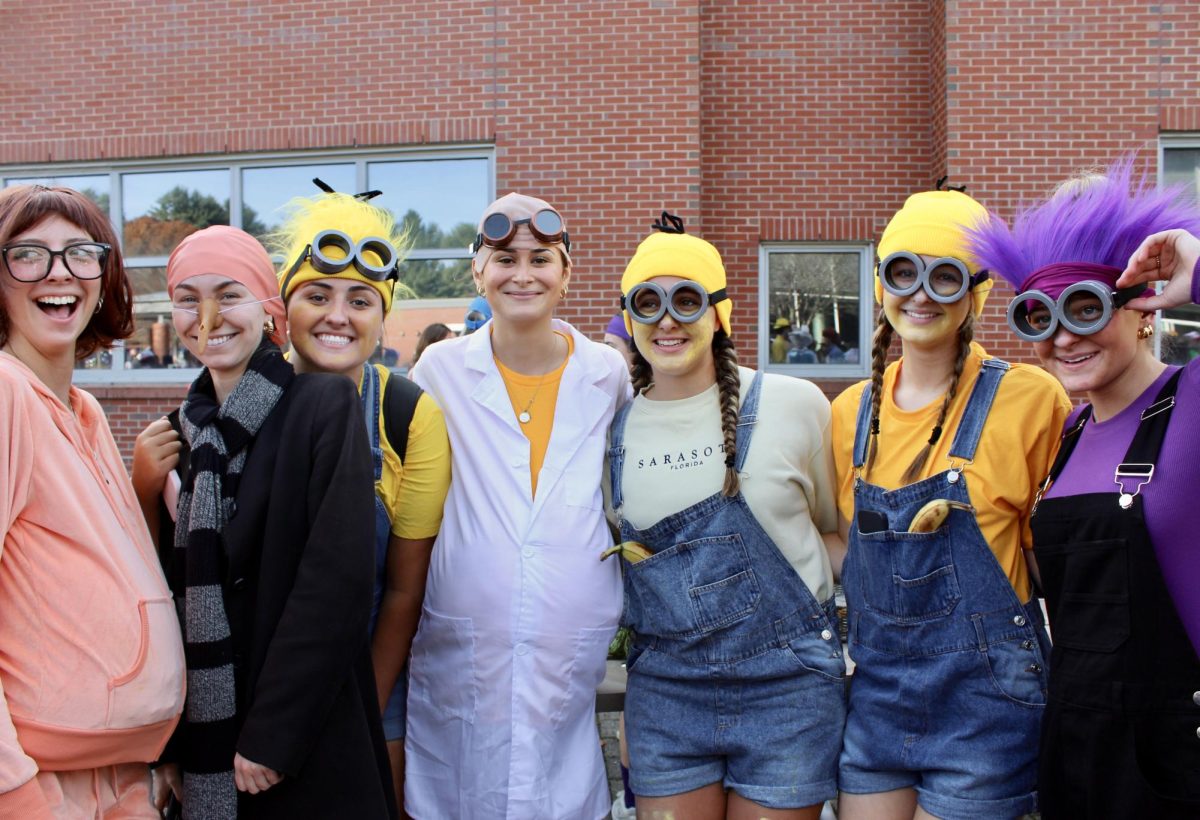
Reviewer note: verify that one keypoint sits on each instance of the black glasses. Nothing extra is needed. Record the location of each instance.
(32, 263)
(945, 280)
(686, 301)
(361, 255)
(1083, 308)
(498, 230)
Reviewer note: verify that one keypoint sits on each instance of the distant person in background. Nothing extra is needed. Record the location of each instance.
(800, 351)
(779, 340)
(435, 332)
(478, 313)
(618, 338)
(831, 351)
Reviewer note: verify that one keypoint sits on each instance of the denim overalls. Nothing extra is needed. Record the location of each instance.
(736, 673)
(1120, 735)
(950, 678)
(393, 715)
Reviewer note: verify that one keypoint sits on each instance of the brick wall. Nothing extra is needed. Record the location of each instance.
(756, 120)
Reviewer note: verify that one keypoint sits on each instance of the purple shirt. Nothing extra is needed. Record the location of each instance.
(1167, 499)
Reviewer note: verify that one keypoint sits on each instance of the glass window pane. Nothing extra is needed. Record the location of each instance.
(813, 307)
(159, 209)
(437, 278)
(1182, 165)
(94, 186)
(440, 200)
(266, 190)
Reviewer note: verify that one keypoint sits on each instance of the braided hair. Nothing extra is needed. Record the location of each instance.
(729, 387)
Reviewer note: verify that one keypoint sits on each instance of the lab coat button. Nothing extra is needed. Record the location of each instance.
(527, 552)
(522, 649)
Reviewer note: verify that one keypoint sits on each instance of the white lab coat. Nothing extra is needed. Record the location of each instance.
(519, 610)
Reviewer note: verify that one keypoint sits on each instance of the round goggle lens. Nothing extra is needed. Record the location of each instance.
(1085, 311)
(646, 303)
(902, 275)
(946, 280)
(497, 227)
(687, 301)
(547, 223)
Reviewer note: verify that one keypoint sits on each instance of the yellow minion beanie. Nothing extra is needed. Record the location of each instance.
(308, 216)
(682, 255)
(935, 223)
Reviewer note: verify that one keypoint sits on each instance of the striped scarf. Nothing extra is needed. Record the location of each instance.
(219, 436)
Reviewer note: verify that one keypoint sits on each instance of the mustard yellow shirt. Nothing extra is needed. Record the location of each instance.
(537, 396)
(1018, 444)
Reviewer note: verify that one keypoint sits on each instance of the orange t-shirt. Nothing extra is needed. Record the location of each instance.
(537, 396)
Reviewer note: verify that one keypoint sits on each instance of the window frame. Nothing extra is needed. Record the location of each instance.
(866, 284)
(1166, 142)
(235, 164)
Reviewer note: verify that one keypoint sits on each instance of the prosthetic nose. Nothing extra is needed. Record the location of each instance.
(210, 319)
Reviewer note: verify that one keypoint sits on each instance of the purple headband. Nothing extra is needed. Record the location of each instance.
(1054, 278)
(616, 326)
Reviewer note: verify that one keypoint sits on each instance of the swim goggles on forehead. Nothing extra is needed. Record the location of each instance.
(686, 301)
(352, 254)
(498, 230)
(1083, 308)
(945, 279)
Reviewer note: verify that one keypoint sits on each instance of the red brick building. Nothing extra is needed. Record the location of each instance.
(786, 133)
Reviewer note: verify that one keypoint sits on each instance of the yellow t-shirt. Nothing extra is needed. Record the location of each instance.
(414, 491)
(537, 396)
(1015, 451)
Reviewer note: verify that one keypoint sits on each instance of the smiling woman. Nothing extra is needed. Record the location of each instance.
(82, 576)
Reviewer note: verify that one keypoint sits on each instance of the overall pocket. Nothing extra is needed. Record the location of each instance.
(1087, 594)
(692, 589)
(908, 576)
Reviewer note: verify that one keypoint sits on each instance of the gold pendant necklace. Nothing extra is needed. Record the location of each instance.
(524, 417)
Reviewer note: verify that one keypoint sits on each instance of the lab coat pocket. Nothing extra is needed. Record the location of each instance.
(151, 689)
(586, 673)
(442, 668)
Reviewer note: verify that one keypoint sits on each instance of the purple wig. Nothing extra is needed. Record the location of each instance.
(1100, 220)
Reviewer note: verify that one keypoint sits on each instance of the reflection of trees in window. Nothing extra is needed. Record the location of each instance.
(818, 290)
(437, 278)
(101, 200)
(177, 213)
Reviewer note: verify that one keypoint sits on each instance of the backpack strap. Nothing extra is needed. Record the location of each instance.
(400, 397)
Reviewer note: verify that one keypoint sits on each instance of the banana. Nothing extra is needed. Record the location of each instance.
(935, 513)
(631, 551)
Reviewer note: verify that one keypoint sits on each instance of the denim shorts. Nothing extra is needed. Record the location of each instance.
(396, 710)
(961, 729)
(774, 741)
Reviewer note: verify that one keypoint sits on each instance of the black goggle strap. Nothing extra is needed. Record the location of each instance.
(977, 279)
(1124, 296)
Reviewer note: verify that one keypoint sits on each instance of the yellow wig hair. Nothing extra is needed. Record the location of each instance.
(308, 216)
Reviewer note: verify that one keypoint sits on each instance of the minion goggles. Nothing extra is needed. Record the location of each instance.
(1083, 308)
(352, 254)
(945, 279)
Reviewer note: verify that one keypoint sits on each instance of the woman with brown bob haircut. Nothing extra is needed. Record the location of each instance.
(91, 659)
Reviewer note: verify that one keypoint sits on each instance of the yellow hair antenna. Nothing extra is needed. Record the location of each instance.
(308, 216)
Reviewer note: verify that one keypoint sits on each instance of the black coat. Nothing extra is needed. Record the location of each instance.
(298, 591)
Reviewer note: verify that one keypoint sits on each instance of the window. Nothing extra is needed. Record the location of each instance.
(1178, 338)
(816, 311)
(438, 196)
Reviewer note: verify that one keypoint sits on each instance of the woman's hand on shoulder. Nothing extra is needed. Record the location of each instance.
(1167, 256)
(155, 454)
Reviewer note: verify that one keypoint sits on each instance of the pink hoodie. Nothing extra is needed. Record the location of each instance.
(91, 658)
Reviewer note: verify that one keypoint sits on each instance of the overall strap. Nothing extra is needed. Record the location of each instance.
(966, 439)
(369, 394)
(616, 452)
(862, 434)
(747, 419)
(1148, 440)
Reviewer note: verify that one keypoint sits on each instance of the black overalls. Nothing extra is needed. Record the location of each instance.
(1121, 737)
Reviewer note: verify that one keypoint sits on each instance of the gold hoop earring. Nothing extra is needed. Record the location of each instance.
(99, 304)
(269, 327)
(562, 294)
(1145, 332)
